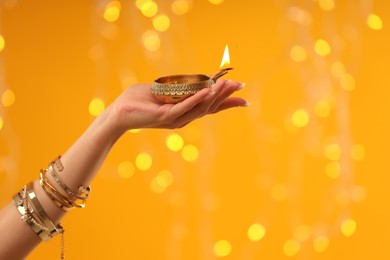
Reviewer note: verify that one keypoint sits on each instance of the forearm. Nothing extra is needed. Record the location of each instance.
(81, 163)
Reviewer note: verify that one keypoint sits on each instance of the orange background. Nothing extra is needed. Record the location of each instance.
(306, 163)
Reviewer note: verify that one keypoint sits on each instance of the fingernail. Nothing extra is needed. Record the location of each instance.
(247, 104)
(242, 85)
(211, 93)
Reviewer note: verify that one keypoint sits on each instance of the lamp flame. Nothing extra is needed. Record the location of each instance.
(225, 59)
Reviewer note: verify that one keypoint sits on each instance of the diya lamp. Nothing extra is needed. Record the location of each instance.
(176, 88)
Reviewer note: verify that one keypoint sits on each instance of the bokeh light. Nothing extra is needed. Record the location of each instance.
(174, 142)
(302, 233)
(151, 40)
(126, 169)
(149, 8)
(298, 53)
(300, 118)
(320, 244)
(333, 169)
(291, 247)
(161, 22)
(333, 151)
(112, 11)
(322, 47)
(326, 5)
(190, 153)
(8, 98)
(358, 152)
(348, 227)
(181, 7)
(374, 22)
(338, 69)
(134, 131)
(164, 178)
(96, 107)
(322, 108)
(1, 123)
(143, 161)
(2, 43)
(222, 248)
(216, 2)
(347, 82)
(256, 232)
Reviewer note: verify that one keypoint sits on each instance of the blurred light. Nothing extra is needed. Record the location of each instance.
(347, 82)
(222, 248)
(337, 69)
(256, 232)
(216, 2)
(96, 106)
(333, 169)
(9, 3)
(112, 11)
(164, 178)
(127, 78)
(300, 118)
(8, 98)
(302, 233)
(299, 15)
(320, 244)
(156, 187)
(279, 192)
(174, 142)
(143, 161)
(149, 8)
(358, 152)
(332, 152)
(140, 3)
(2, 43)
(126, 169)
(180, 7)
(161, 22)
(358, 193)
(326, 5)
(321, 47)
(298, 53)
(1, 123)
(225, 58)
(322, 108)
(374, 22)
(151, 40)
(190, 153)
(348, 227)
(134, 131)
(291, 247)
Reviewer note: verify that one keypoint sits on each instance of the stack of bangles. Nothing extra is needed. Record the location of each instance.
(32, 212)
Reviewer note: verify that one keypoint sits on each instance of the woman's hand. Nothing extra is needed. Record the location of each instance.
(136, 107)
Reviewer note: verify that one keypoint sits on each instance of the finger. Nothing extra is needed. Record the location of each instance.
(230, 103)
(229, 88)
(188, 104)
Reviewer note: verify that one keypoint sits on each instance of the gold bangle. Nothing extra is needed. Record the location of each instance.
(63, 204)
(83, 192)
(52, 229)
(45, 231)
(18, 201)
(56, 195)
